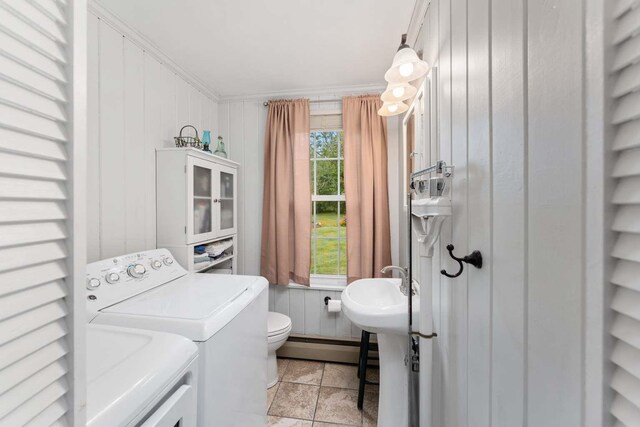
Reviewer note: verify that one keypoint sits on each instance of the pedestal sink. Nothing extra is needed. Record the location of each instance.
(378, 306)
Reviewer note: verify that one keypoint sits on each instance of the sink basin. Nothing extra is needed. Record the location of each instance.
(378, 306)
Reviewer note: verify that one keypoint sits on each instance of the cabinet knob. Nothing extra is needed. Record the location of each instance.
(215, 200)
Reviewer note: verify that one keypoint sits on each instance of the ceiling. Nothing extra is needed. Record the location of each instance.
(251, 47)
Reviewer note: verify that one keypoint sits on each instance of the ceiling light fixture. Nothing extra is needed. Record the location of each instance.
(398, 92)
(392, 108)
(406, 66)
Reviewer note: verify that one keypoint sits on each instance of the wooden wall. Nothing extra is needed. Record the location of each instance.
(510, 99)
(136, 104)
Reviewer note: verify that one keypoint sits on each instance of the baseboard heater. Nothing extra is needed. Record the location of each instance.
(338, 350)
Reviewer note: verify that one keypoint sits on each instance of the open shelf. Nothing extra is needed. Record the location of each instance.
(202, 266)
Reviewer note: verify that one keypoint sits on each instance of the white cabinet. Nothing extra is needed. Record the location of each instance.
(211, 209)
(197, 199)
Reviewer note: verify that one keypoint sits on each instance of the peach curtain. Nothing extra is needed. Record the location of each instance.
(365, 187)
(286, 212)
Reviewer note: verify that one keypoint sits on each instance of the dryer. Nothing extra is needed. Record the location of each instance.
(140, 378)
(225, 315)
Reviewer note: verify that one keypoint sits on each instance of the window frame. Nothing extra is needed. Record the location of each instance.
(326, 279)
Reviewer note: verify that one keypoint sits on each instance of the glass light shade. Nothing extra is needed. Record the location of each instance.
(398, 92)
(406, 67)
(392, 108)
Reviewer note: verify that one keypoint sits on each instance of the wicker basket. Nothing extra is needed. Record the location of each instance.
(188, 141)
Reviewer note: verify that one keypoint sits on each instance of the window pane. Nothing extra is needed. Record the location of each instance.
(341, 176)
(312, 168)
(343, 256)
(327, 256)
(312, 145)
(327, 144)
(327, 177)
(343, 219)
(326, 224)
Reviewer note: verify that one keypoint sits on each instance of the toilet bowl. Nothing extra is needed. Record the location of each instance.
(279, 327)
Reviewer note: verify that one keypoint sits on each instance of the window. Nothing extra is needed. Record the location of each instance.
(329, 227)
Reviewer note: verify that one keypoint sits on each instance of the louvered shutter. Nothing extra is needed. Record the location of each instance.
(35, 187)
(626, 197)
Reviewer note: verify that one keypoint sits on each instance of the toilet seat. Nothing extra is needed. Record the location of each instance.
(278, 324)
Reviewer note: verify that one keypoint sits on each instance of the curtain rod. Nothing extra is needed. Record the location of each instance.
(266, 103)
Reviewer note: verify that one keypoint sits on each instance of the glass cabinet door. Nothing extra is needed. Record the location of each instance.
(201, 192)
(226, 200)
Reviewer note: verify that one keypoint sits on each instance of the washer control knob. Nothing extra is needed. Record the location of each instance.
(155, 264)
(136, 270)
(93, 283)
(168, 261)
(112, 278)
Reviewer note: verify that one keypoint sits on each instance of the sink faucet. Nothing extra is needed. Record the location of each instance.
(404, 286)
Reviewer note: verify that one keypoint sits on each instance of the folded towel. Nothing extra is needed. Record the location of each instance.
(216, 249)
(198, 258)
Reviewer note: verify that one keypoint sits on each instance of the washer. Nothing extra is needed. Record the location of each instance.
(140, 378)
(225, 315)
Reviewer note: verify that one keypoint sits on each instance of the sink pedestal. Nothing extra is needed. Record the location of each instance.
(378, 306)
(394, 380)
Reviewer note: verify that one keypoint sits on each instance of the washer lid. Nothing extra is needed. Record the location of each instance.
(191, 297)
(195, 306)
(277, 323)
(127, 369)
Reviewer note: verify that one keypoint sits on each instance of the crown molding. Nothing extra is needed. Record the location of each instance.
(317, 93)
(150, 48)
(417, 18)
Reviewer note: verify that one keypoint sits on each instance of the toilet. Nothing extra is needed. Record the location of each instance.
(279, 327)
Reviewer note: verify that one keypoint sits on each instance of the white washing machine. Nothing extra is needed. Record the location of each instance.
(225, 315)
(140, 378)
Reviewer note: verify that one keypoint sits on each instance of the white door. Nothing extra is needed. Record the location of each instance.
(225, 201)
(42, 248)
(201, 189)
(626, 197)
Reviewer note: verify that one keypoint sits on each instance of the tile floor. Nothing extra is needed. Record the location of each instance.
(320, 395)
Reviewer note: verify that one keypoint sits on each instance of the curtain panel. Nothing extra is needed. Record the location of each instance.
(365, 186)
(286, 214)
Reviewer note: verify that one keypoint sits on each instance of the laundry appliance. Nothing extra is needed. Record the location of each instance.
(140, 378)
(225, 315)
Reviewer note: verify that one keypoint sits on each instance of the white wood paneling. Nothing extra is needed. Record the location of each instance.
(510, 116)
(480, 203)
(136, 104)
(555, 217)
(111, 141)
(93, 146)
(134, 153)
(509, 238)
(456, 404)
(308, 313)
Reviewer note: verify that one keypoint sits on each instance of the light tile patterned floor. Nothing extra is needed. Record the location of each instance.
(316, 394)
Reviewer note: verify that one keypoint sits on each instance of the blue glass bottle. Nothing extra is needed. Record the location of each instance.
(206, 140)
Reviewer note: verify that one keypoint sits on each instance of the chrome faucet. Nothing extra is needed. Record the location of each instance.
(404, 286)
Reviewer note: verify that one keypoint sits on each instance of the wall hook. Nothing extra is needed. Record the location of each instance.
(474, 258)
